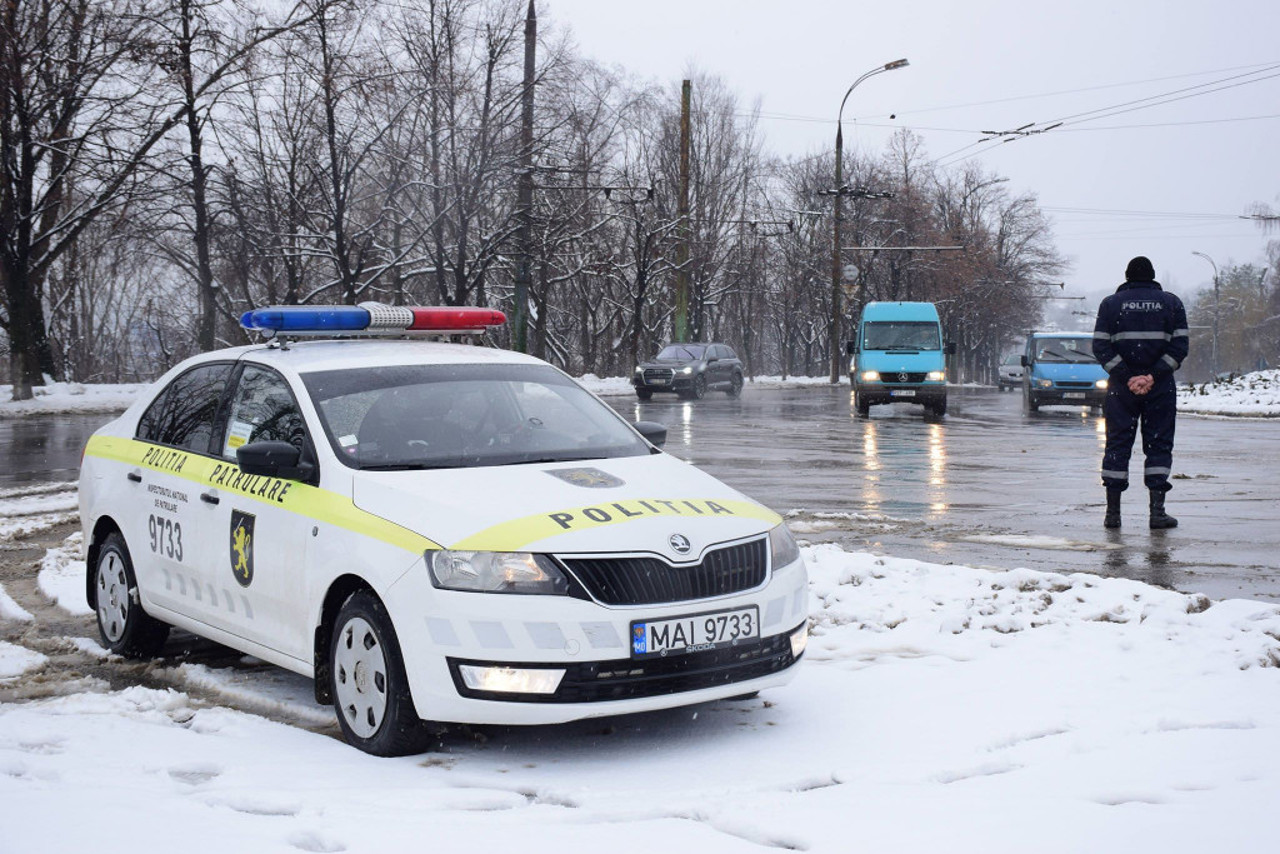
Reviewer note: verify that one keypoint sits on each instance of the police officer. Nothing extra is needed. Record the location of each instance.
(1140, 339)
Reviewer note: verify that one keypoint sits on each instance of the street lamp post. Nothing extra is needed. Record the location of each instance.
(836, 265)
(1215, 311)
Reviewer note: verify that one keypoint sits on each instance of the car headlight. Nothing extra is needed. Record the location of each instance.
(687, 369)
(1101, 384)
(782, 547)
(936, 376)
(639, 370)
(871, 376)
(496, 572)
(1044, 383)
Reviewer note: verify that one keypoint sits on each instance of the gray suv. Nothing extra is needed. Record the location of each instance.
(690, 370)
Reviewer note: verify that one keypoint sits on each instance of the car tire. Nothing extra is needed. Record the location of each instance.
(644, 393)
(125, 628)
(698, 389)
(939, 409)
(735, 386)
(370, 689)
(1029, 403)
(860, 405)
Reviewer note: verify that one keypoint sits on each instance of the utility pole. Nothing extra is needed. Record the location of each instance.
(682, 227)
(524, 190)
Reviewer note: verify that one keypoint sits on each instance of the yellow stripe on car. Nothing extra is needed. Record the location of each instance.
(519, 533)
(308, 501)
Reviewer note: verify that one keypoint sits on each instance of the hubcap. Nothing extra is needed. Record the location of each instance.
(360, 677)
(113, 597)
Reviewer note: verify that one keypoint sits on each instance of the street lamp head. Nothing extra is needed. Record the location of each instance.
(897, 63)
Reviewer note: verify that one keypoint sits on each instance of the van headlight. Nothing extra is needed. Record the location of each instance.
(871, 376)
(936, 376)
(1101, 384)
(496, 572)
(783, 550)
(1044, 383)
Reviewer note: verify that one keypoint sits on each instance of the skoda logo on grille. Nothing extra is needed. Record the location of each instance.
(679, 544)
(902, 377)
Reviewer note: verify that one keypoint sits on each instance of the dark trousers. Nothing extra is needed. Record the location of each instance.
(1156, 411)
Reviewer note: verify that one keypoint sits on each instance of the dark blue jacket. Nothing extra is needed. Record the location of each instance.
(1141, 329)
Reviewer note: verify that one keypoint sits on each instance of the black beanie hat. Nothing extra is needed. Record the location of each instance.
(1140, 270)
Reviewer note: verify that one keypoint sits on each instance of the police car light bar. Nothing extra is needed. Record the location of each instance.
(369, 318)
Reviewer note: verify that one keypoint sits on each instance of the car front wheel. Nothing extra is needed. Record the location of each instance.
(644, 393)
(370, 690)
(125, 628)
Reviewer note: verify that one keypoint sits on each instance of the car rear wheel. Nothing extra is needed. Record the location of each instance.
(735, 386)
(643, 393)
(125, 628)
(370, 689)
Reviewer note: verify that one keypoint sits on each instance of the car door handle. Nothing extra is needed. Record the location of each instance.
(209, 497)
(135, 477)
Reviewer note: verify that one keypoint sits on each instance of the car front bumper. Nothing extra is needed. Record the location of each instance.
(1069, 396)
(590, 642)
(925, 393)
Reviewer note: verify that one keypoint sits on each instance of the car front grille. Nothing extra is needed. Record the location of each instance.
(653, 581)
(625, 679)
(1073, 384)
(901, 377)
(661, 375)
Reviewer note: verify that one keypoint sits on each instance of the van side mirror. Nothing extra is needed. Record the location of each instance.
(1023, 359)
(850, 348)
(273, 459)
(951, 348)
(653, 432)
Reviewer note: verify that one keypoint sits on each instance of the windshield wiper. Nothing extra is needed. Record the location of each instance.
(411, 466)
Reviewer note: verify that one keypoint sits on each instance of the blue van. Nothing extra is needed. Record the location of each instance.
(1061, 369)
(899, 357)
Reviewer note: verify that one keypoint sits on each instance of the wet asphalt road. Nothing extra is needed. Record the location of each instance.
(990, 486)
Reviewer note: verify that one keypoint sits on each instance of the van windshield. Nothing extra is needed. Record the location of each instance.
(901, 335)
(1064, 350)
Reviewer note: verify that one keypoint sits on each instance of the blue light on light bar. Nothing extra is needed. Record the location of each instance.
(301, 318)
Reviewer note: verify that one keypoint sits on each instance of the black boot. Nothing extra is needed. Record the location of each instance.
(1159, 518)
(1112, 519)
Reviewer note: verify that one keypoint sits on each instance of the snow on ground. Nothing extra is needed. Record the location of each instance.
(1255, 394)
(61, 575)
(940, 708)
(63, 398)
(27, 510)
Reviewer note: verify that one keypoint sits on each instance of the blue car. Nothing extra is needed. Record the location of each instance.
(1061, 370)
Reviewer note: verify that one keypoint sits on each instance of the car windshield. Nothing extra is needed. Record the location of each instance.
(682, 352)
(1013, 360)
(901, 335)
(1065, 350)
(459, 416)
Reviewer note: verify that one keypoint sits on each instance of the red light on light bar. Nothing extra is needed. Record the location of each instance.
(445, 318)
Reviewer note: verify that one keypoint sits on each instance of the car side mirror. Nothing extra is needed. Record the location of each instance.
(1023, 360)
(273, 459)
(850, 348)
(653, 432)
(951, 348)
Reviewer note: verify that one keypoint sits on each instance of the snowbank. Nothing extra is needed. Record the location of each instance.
(70, 398)
(940, 708)
(1256, 394)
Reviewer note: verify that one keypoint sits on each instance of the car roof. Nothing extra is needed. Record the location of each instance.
(330, 354)
(900, 311)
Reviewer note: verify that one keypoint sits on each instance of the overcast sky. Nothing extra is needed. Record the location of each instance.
(989, 65)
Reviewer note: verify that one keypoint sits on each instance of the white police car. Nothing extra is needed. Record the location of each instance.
(433, 532)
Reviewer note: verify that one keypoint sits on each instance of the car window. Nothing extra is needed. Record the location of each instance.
(901, 335)
(1013, 359)
(682, 352)
(183, 415)
(450, 416)
(727, 352)
(263, 409)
